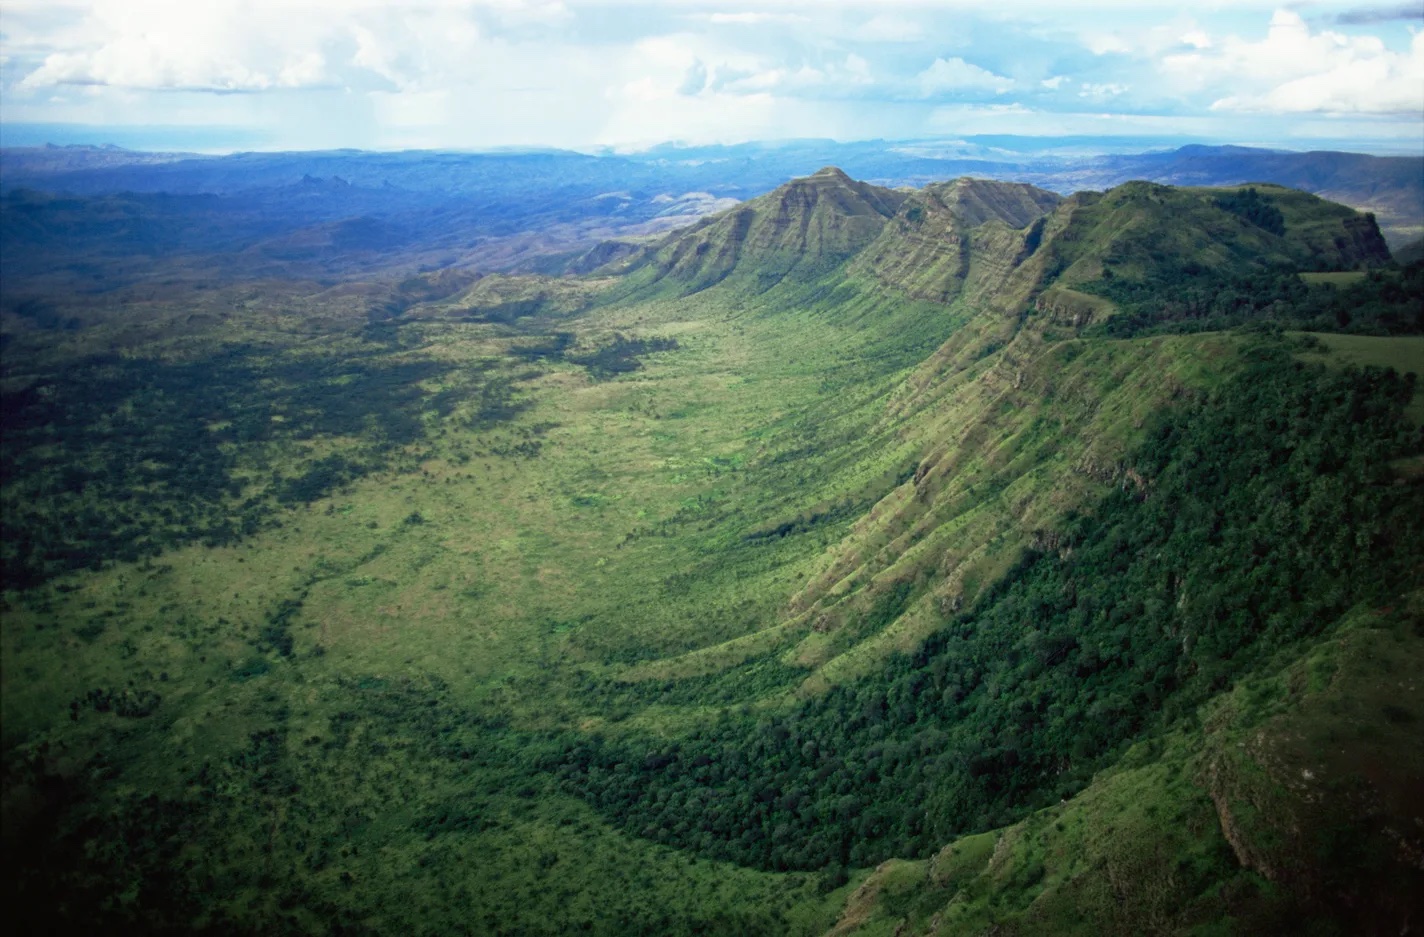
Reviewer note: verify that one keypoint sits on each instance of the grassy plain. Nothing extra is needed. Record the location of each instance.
(481, 572)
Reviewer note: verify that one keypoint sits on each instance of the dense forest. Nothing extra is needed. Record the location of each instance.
(1259, 513)
(1188, 298)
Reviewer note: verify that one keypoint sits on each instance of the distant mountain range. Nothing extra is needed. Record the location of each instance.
(455, 206)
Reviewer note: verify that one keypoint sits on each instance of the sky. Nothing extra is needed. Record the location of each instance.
(627, 74)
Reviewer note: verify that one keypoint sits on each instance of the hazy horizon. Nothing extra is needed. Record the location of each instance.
(227, 143)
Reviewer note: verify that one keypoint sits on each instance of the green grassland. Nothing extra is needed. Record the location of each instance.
(397, 606)
(504, 560)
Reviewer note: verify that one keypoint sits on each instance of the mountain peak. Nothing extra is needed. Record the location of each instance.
(830, 189)
(810, 223)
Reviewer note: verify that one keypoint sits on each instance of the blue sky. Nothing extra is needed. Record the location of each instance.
(624, 74)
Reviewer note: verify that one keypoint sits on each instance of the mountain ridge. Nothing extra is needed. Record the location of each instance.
(809, 223)
(1018, 239)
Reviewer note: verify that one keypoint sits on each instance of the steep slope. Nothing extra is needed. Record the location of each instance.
(1291, 810)
(990, 477)
(947, 234)
(976, 413)
(807, 226)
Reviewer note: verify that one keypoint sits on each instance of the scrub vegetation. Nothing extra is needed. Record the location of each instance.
(1065, 580)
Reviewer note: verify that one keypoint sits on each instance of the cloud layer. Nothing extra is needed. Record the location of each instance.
(623, 72)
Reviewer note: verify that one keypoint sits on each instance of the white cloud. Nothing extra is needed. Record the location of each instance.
(955, 74)
(263, 45)
(833, 80)
(1146, 41)
(887, 27)
(417, 50)
(1100, 43)
(695, 78)
(753, 18)
(1101, 92)
(1294, 70)
(572, 72)
(530, 12)
(857, 70)
(1196, 38)
(163, 46)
